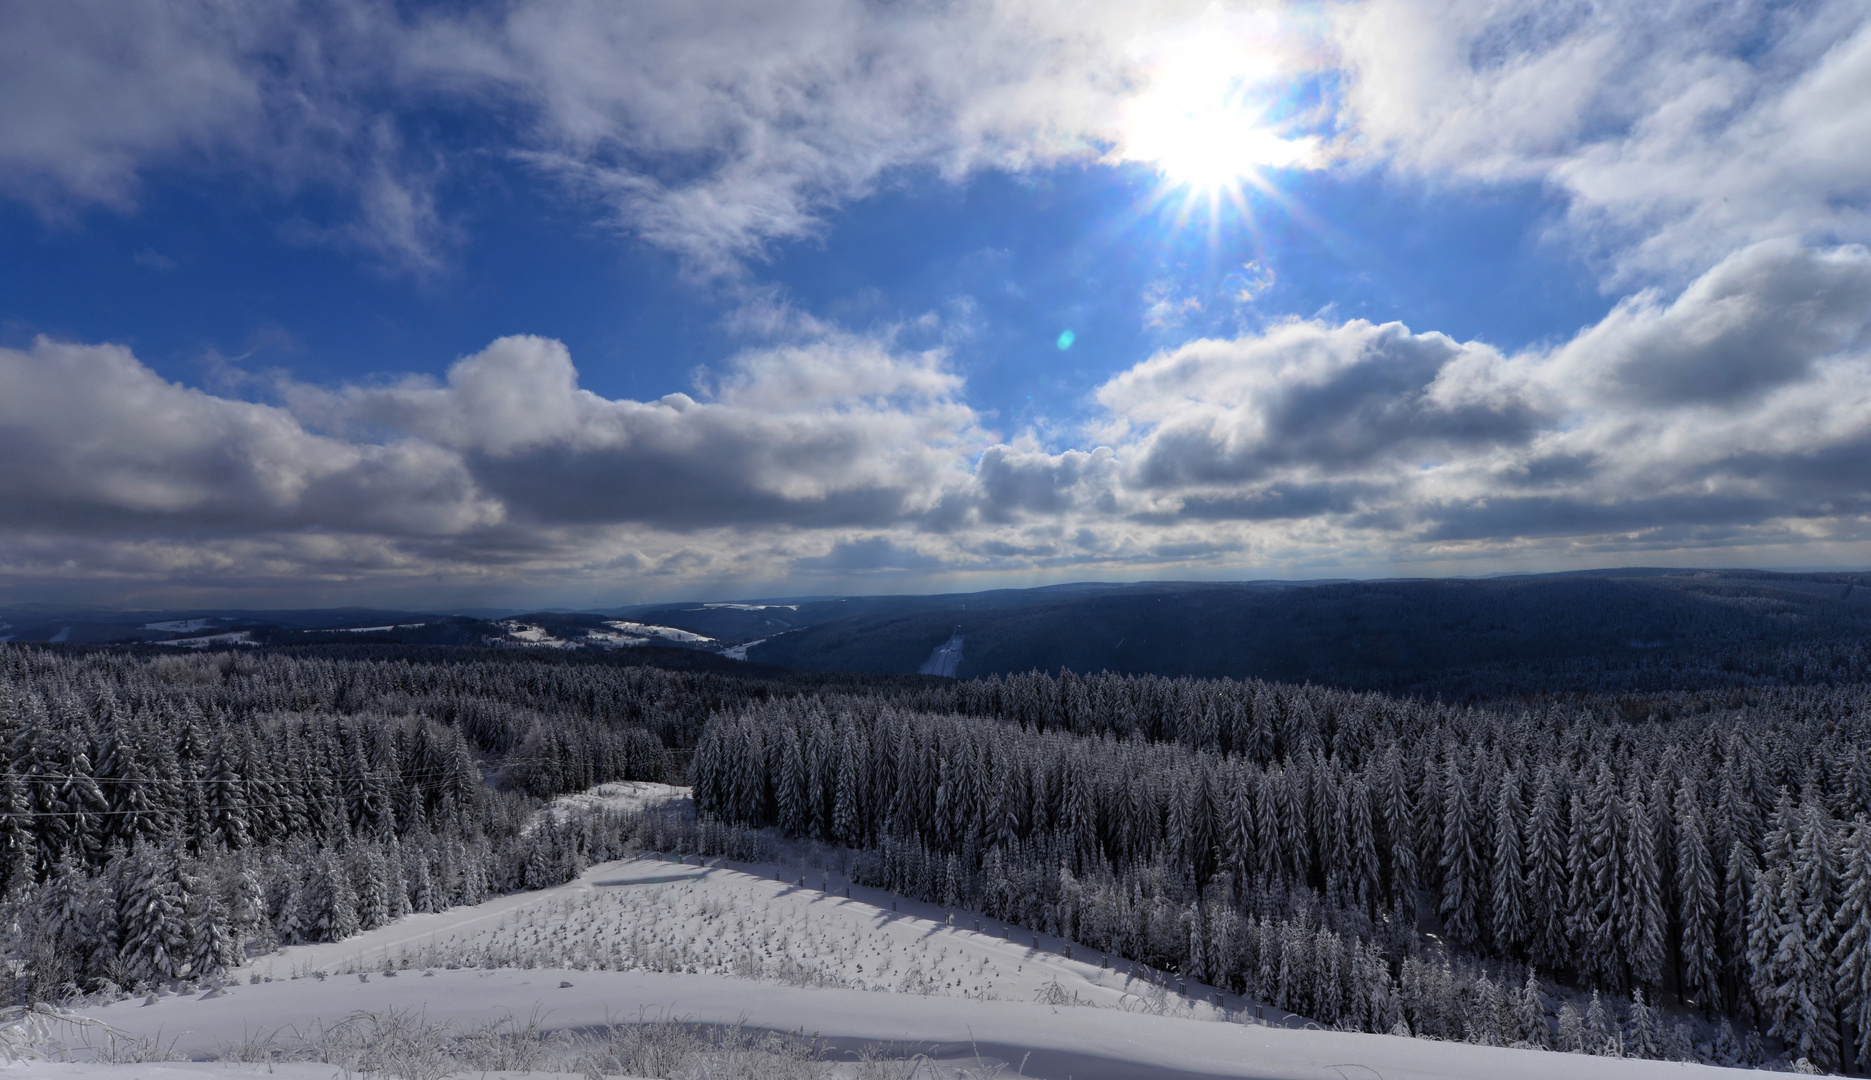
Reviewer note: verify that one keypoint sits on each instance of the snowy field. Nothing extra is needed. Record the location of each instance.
(722, 943)
(945, 659)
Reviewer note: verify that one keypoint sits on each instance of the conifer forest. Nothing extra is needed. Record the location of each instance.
(1374, 863)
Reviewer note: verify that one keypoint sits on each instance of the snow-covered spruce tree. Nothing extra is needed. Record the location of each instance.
(1642, 1038)
(1698, 906)
(1599, 1036)
(1531, 1006)
(1851, 951)
(1507, 906)
(1641, 904)
(152, 914)
(1459, 864)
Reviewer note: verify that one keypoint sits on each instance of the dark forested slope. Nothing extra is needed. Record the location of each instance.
(1459, 638)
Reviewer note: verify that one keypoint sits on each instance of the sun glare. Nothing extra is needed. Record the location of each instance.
(1200, 116)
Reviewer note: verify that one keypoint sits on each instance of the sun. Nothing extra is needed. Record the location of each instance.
(1200, 114)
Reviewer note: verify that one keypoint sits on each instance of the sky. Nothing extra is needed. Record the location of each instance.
(567, 302)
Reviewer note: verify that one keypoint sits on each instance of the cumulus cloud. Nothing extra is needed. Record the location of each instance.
(1737, 412)
(1309, 397)
(1741, 407)
(95, 441)
(505, 460)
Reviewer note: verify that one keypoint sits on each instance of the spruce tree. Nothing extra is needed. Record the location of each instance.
(1507, 907)
(1460, 879)
(1851, 953)
(1698, 906)
(1531, 1005)
(1546, 874)
(1642, 933)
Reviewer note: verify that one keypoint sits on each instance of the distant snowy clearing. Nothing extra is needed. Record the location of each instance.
(726, 944)
(667, 633)
(379, 629)
(176, 626)
(238, 637)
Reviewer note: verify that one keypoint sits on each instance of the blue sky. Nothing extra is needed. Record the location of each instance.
(200, 271)
(547, 301)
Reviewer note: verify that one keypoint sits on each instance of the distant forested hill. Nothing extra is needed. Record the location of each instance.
(1459, 638)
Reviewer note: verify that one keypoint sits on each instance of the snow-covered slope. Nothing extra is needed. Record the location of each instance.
(726, 943)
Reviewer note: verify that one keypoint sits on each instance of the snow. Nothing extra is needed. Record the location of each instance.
(739, 652)
(536, 636)
(181, 626)
(238, 637)
(61, 636)
(377, 629)
(181, 1070)
(945, 659)
(212, 1071)
(629, 635)
(668, 633)
(616, 641)
(850, 969)
(753, 607)
(622, 795)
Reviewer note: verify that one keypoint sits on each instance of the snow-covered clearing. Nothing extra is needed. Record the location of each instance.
(181, 626)
(945, 659)
(739, 652)
(622, 796)
(238, 637)
(725, 943)
(650, 630)
(753, 607)
(537, 636)
(378, 629)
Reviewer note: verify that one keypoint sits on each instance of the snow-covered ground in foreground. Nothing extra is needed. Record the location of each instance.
(735, 946)
(209, 1070)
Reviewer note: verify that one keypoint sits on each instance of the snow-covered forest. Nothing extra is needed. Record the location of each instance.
(1693, 868)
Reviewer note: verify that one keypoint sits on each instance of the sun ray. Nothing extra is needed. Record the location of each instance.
(1205, 119)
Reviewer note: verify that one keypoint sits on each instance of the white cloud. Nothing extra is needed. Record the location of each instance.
(1737, 409)
(1677, 132)
(1735, 415)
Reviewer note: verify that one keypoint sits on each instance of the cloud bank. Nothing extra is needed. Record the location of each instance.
(1735, 412)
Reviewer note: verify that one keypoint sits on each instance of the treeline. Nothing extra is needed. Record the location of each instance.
(158, 818)
(1719, 853)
